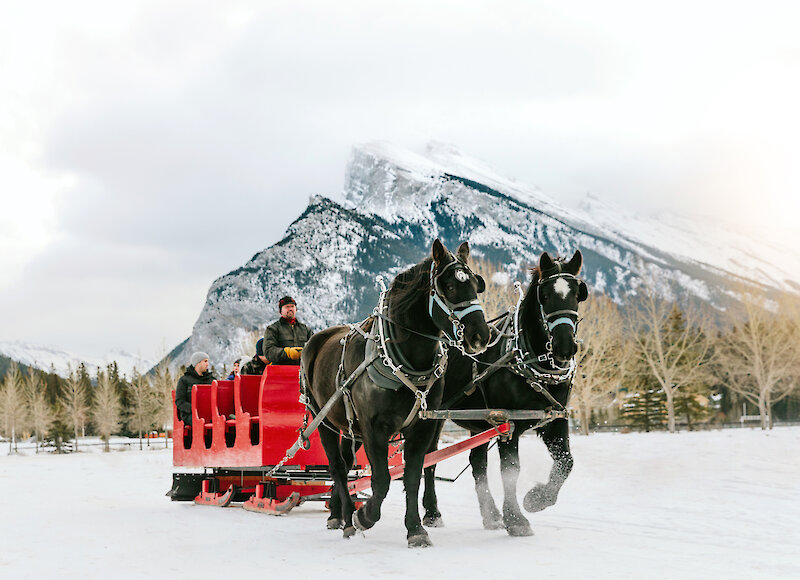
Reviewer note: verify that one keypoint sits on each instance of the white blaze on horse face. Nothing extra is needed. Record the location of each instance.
(561, 287)
(462, 276)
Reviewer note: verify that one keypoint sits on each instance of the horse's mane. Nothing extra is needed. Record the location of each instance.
(536, 275)
(409, 284)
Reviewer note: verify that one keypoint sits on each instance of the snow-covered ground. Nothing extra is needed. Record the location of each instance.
(720, 504)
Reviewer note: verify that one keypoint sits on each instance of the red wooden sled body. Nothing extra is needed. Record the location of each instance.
(231, 458)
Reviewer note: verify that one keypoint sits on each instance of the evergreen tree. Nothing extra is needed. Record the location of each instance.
(694, 404)
(645, 406)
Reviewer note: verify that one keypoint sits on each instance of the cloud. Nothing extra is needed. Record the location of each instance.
(169, 143)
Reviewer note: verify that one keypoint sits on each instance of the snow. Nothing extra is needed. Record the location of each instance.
(766, 256)
(717, 504)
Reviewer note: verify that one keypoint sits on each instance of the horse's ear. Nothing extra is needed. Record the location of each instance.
(438, 251)
(463, 252)
(545, 262)
(575, 263)
(583, 291)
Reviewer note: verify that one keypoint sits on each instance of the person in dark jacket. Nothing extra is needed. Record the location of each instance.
(235, 370)
(258, 363)
(285, 339)
(197, 373)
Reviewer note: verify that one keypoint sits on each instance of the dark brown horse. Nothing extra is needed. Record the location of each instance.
(537, 377)
(397, 358)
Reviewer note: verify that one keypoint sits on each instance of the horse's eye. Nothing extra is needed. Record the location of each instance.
(450, 287)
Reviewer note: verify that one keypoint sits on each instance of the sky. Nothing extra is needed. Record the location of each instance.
(147, 148)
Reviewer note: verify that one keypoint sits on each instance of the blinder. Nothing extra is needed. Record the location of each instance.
(454, 312)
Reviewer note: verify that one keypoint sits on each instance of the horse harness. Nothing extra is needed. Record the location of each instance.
(386, 365)
(519, 358)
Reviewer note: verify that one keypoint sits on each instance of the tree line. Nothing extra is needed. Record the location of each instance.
(54, 409)
(652, 364)
(648, 365)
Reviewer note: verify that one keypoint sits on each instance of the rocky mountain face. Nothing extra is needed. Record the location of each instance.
(51, 359)
(397, 203)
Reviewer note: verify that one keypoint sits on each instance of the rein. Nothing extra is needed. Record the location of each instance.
(517, 357)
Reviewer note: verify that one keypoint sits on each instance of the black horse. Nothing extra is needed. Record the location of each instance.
(536, 366)
(392, 366)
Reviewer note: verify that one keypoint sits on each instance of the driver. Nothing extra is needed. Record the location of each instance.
(284, 339)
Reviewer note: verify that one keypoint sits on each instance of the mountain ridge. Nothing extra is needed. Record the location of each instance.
(395, 203)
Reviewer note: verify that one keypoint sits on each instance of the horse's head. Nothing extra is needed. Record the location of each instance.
(453, 305)
(558, 292)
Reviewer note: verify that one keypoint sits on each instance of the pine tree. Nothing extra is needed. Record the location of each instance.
(693, 403)
(645, 404)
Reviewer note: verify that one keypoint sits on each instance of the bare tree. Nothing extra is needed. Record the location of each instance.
(12, 405)
(73, 401)
(600, 358)
(672, 343)
(499, 294)
(760, 353)
(41, 413)
(163, 384)
(141, 399)
(106, 409)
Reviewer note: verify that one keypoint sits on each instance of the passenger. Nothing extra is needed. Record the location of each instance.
(197, 373)
(285, 339)
(258, 363)
(235, 370)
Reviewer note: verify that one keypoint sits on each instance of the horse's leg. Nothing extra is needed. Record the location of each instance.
(335, 520)
(556, 438)
(341, 505)
(418, 440)
(376, 445)
(432, 517)
(516, 524)
(492, 519)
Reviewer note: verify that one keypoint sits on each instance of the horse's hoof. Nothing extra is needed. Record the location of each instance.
(538, 498)
(359, 523)
(419, 541)
(433, 521)
(335, 523)
(494, 524)
(348, 532)
(520, 530)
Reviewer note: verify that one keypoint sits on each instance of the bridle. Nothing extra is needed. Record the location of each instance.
(454, 312)
(550, 320)
(525, 362)
(518, 356)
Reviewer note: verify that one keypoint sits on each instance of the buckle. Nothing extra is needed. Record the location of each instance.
(438, 372)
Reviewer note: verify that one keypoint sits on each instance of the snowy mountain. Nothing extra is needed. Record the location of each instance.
(396, 202)
(48, 358)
